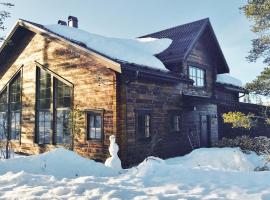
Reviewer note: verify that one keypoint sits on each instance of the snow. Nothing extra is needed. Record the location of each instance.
(207, 173)
(222, 159)
(227, 79)
(139, 51)
(59, 163)
(114, 161)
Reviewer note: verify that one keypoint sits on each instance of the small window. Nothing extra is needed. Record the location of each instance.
(143, 125)
(94, 125)
(197, 75)
(175, 122)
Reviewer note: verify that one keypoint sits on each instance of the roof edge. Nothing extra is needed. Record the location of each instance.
(30, 26)
(208, 23)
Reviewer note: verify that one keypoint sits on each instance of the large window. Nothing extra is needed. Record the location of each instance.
(15, 107)
(143, 124)
(53, 109)
(94, 125)
(3, 114)
(63, 108)
(43, 111)
(10, 109)
(197, 75)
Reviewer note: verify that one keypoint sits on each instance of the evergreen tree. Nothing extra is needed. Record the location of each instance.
(258, 11)
(3, 16)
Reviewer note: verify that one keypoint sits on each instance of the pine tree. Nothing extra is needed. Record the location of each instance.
(258, 11)
(3, 16)
(261, 85)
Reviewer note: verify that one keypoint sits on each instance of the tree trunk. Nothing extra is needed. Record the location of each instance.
(7, 149)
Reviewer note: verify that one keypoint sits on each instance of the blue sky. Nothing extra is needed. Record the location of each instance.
(129, 19)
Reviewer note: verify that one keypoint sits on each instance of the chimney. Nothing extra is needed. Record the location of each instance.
(73, 21)
(61, 22)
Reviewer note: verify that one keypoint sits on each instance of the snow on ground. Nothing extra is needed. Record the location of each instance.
(139, 51)
(59, 163)
(227, 79)
(215, 173)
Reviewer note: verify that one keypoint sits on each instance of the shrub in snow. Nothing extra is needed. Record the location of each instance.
(239, 119)
(260, 145)
(113, 161)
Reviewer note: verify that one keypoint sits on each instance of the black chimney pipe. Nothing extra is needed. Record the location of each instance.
(73, 21)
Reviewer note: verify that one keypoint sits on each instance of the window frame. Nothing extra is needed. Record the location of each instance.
(4, 112)
(53, 110)
(6, 87)
(94, 112)
(171, 114)
(142, 136)
(196, 68)
(38, 109)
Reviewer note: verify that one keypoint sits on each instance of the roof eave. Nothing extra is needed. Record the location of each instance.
(232, 87)
(155, 74)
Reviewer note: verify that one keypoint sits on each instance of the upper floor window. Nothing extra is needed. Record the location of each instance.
(143, 124)
(197, 75)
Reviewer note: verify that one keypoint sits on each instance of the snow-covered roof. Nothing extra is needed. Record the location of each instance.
(138, 51)
(227, 79)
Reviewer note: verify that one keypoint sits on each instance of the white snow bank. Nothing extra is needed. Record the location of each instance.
(227, 79)
(226, 159)
(218, 159)
(59, 163)
(188, 177)
(139, 51)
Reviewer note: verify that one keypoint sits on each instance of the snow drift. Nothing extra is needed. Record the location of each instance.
(139, 51)
(225, 159)
(207, 173)
(60, 163)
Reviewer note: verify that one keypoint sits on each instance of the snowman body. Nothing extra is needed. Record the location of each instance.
(113, 161)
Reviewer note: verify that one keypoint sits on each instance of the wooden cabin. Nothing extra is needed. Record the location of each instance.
(164, 113)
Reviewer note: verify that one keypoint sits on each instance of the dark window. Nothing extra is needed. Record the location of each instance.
(63, 95)
(197, 75)
(3, 114)
(15, 107)
(175, 122)
(94, 125)
(43, 111)
(63, 129)
(10, 109)
(63, 109)
(143, 124)
(53, 102)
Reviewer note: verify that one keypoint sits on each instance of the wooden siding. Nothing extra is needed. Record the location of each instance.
(200, 57)
(94, 88)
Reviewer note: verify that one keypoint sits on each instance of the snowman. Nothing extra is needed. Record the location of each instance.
(114, 161)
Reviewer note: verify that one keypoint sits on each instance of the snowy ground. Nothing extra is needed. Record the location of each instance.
(214, 173)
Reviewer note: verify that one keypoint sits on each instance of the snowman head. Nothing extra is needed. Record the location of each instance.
(112, 138)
